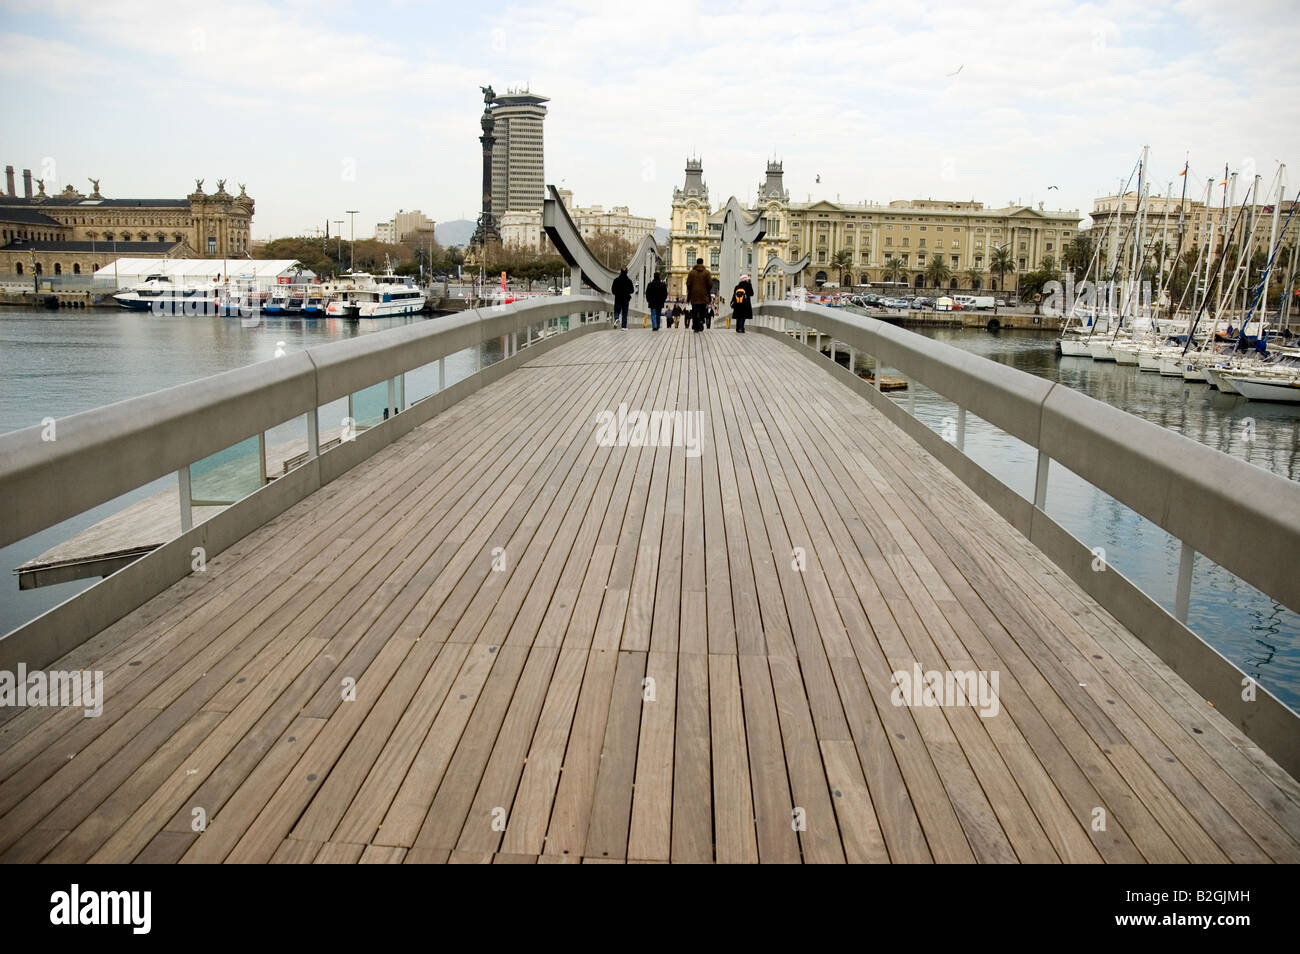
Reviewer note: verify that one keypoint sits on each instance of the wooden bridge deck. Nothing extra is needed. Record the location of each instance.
(501, 715)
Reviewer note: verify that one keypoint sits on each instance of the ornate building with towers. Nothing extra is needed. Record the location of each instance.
(72, 232)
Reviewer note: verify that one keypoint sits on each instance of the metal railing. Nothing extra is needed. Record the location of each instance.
(1244, 518)
(51, 473)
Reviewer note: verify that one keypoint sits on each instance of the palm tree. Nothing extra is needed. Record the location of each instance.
(1001, 262)
(894, 268)
(937, 271)
(842, 260)
(975, 276)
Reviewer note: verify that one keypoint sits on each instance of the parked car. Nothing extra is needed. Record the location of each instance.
(1002, 303)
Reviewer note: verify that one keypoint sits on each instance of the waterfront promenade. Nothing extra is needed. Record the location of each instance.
(496, 640)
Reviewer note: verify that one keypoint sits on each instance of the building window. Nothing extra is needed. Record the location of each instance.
(18, 268)
(1049, 246)
(1022, 264)
(954, 260)
(58, 268)
(692, 226)
(1023, 246)
(713, 259)
(906, 242)
(76, 269)
(922, 243)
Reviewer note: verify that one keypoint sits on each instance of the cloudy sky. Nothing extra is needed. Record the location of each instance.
(324, 106)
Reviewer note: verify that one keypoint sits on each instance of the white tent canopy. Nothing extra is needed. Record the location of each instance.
(265, 272)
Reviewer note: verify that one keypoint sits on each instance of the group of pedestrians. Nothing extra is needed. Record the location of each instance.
(699, 296)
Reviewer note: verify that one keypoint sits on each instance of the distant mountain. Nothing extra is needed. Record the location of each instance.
(457, 232)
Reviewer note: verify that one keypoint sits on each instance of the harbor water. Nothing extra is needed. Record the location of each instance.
(53, 364)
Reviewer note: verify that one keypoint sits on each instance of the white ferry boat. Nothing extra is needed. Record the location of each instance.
(160, 296)
(362, 295)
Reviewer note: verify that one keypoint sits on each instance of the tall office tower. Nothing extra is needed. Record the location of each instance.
(518, 179)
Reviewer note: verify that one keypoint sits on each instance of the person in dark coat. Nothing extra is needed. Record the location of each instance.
(675, 316)
(742, 303)
(698, 285)
(622, 289)
(656, 293)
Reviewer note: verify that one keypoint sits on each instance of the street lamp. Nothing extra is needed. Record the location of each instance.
(353, 240)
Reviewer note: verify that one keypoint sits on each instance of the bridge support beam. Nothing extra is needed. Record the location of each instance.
(187, 510)
(1040, 481)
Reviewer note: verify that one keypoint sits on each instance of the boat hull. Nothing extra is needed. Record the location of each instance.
(1257, 389)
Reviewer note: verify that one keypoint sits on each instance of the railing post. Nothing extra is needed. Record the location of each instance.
(442, 374)
(1183, 598)
(402, 402)
(514, 343)
(853, 360)
(961, 429)
(261, 456)
(183, 484)
(911, 396)
(1040, 481)
(313, 433)
(392, 398)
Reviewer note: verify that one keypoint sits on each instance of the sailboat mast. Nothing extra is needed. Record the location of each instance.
(1182, 220)
(1218, 272)
(1272, 236)
(1209, 242)
(1229, 199)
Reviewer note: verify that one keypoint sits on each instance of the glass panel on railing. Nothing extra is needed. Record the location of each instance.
(369, 406)
(286, 447)
(222, 478)
(421, 382)
(462, 364)
(336, 423)
(52, 565)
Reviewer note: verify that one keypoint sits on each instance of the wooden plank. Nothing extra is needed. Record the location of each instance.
(733, 806)
(611, 805)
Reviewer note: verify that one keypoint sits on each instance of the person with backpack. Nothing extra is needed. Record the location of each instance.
(742, 303)
(622, 289)
(656, 293)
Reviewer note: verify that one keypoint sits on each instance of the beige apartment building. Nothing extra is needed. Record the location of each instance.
(523, 229)
(1112, 215)
(404, 226)
(912, 231)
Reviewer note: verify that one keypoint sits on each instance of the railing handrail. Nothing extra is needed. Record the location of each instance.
(100, 454)
(1244, 518)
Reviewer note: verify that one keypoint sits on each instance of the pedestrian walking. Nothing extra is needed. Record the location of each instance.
(656, 293)
(675, 316)
(622, 289)
(742, 307)
(698, 285)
